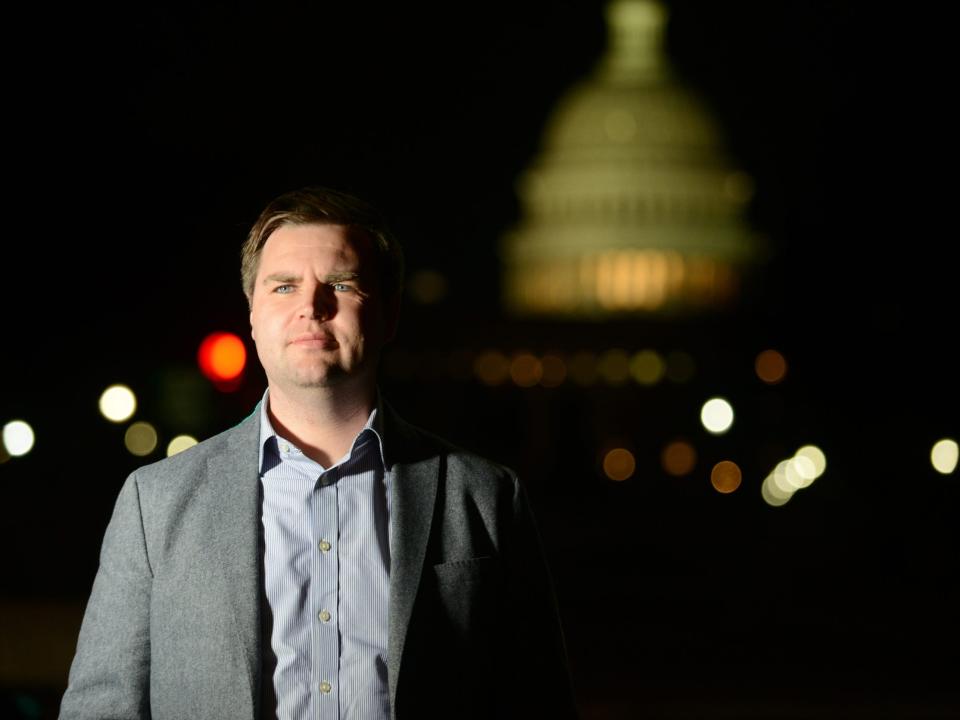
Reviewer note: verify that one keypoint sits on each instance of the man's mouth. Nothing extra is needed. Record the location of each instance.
(314, 340)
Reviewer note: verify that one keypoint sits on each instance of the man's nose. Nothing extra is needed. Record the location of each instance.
(320, 303)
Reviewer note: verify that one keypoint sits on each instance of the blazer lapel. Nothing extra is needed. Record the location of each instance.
(235, 517)
(414, 475)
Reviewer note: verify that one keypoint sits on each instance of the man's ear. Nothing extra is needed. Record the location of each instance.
(251, 327)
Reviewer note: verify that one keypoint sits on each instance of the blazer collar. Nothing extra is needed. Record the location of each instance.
(414, 466)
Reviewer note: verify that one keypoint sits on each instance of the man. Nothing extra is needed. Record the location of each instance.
(323, 559)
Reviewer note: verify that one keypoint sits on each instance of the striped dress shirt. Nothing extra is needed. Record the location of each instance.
(326, 535)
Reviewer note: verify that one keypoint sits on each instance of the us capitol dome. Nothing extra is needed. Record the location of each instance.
(632, 206)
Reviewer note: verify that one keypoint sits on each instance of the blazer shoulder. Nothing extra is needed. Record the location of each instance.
(188, 464)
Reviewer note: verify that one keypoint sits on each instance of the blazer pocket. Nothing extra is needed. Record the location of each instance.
(467, 569)
(468, 592)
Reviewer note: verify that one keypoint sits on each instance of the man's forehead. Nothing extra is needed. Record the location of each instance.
(341, 241)
(341, 250)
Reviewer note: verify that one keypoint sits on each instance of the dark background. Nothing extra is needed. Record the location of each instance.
(141, 142)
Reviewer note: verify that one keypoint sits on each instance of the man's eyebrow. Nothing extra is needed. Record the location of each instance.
(282, 277)
(345, 275)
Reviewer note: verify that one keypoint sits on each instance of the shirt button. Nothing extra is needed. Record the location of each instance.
(324, 545)
(324, 615)
(325, 687)
(284, 447)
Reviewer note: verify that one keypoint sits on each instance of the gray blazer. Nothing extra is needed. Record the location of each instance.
(172, 629)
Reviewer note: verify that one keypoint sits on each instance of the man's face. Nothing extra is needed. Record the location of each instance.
(317, 315)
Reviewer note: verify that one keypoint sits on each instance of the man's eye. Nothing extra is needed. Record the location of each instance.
(342, 287)
(283, 289)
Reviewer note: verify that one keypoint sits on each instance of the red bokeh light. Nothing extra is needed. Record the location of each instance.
(222, 358)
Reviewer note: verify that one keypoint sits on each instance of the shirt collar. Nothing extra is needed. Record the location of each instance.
(374, 424)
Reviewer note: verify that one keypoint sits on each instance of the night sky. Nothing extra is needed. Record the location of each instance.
(141, 143)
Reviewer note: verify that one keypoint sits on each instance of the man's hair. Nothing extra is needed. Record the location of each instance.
(323, 206)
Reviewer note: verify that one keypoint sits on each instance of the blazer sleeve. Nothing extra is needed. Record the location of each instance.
(539, 653)
(110, 674)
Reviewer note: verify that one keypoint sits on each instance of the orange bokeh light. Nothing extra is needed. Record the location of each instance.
(619, 464)
(679, 458)
(222, 357)
(771, 366)
(726, 476)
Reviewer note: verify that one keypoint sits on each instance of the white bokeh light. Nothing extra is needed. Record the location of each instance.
(943, 456)
(772, 494)
(18, 438)
(717, 415)
(814, 455)
(118, 403)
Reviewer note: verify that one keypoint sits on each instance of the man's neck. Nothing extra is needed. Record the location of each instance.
(322, 422)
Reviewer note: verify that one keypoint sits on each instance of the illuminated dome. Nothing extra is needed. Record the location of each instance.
(632, 205)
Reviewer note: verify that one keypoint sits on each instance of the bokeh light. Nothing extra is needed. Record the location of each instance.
(140, 438)
(772, 494)
(943, 456)
(726, 476)
(614, 367)
(492, 367)
(525, 370)
(678, 458)
(222, 357)
(18, 438)
(816, 457)
(771, 367)
(647, 367)
(779, 479)
(717, 415)
(619, 464)
(180, 443)
(554, 370)
(799, 472)
(118, 403)
(793, 474)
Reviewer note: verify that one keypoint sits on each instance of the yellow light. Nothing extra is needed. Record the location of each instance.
(725, 476)
(554, 371)
(526, 370)
(647, 367)
(614, 367)
(779, 479)
(799, 472)
(816, 457)
(943, 456)
(771, 367)
(491, 367)
(179, 444)
(583, 368)
(140, 438)
(678, 458)
(717, 415)
(18, 438)
(619, 464)
(772, 494)
(118, 403)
